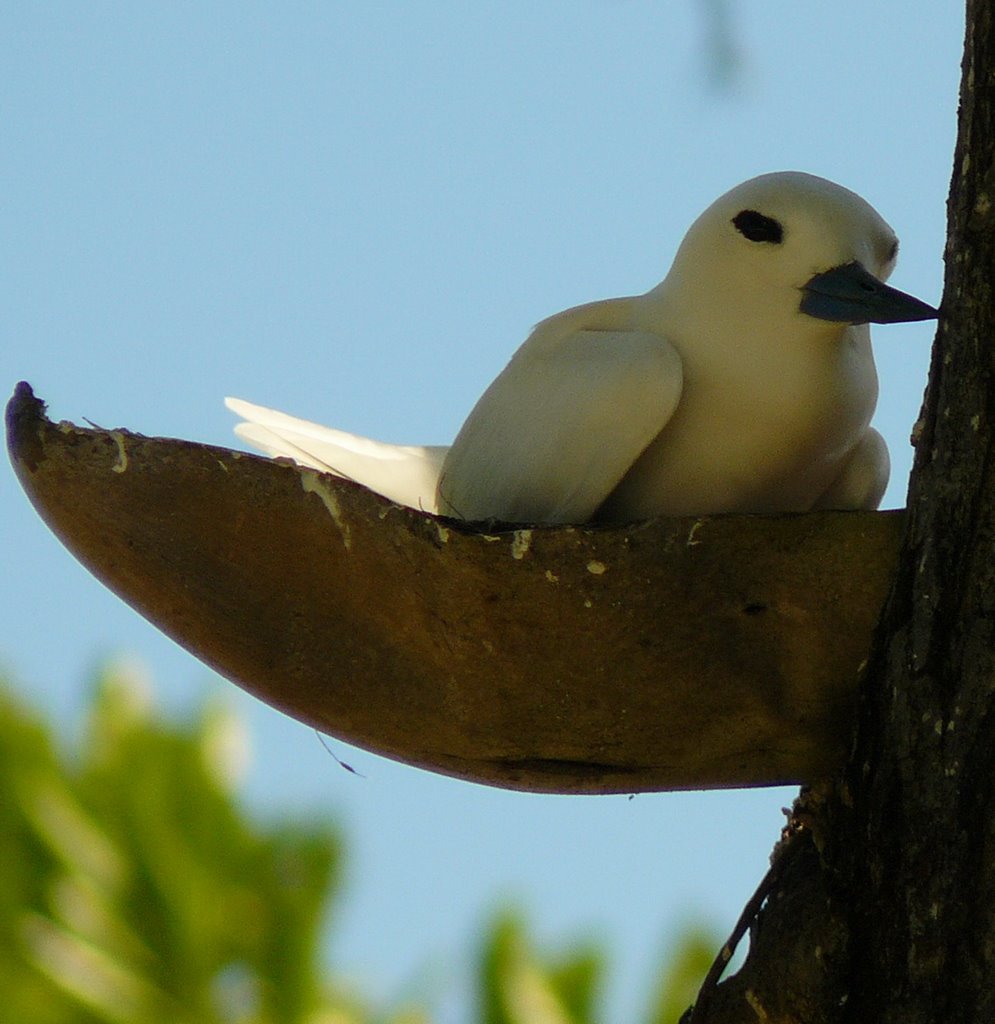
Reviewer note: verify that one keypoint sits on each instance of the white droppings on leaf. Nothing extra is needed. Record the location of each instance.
(313, 483)
(122, 455)
(521, 541)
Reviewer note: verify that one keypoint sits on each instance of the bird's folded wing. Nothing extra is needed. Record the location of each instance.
(407, 474)
(560, 426)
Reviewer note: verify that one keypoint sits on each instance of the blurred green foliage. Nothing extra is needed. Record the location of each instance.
(136, 889)
(679, 981)
(518, 987)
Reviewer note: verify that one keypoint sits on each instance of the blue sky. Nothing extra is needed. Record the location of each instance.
(355, 212)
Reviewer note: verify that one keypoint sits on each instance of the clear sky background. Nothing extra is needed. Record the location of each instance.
(354, 212)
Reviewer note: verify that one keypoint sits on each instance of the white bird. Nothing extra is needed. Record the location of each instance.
(743, 382)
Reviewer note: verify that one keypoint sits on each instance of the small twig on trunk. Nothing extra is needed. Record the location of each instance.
(787, 844)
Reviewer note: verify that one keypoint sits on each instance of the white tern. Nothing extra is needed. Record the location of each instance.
(743, 382)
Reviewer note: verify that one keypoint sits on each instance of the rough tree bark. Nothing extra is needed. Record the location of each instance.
(884, 905)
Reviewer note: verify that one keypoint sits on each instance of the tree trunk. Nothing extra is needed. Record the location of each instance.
(883, 908)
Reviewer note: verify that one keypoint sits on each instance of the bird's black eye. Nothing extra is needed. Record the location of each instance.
(758, 228)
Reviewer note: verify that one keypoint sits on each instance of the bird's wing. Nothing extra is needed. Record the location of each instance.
(407, 474)
(560, 426)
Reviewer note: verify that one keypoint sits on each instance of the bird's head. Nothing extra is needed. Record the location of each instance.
(789, 244)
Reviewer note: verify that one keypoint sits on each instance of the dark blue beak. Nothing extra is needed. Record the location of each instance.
(849, 294)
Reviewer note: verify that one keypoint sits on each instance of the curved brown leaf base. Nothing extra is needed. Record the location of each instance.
(674, 654)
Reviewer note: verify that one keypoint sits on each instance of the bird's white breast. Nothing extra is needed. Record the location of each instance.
(765, 423)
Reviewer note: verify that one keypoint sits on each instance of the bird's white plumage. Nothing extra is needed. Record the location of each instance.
(713, 392)
(542, 456)
(407, 474)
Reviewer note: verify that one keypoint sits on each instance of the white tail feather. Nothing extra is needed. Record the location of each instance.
(407, 474)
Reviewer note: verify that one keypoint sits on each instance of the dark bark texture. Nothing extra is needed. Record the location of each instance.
(885, 909)
(914, 853)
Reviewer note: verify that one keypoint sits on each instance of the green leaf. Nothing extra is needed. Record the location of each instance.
(696, 949)
(518, 986)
